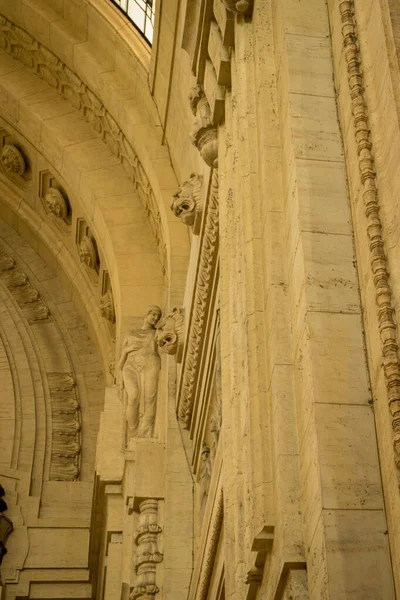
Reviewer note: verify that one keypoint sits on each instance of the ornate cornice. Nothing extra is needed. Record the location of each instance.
(197, 323)
(379, 263)
(19, 44)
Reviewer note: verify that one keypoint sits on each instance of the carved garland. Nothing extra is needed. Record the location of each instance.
(46, 65)
(380, 269)
(207, 261)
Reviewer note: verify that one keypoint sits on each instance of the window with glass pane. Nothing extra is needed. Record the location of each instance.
(141, 13)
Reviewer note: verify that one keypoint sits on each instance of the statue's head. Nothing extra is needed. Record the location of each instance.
(152, 316)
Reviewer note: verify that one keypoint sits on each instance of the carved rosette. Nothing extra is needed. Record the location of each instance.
(107, 309)
(147, 555)
(204, 134)
(56, 204)
(87, 252)
(239, 7)
(12, 161)
(170, 333)
(187, 204)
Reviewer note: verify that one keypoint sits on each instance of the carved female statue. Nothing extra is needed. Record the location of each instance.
(139, 367)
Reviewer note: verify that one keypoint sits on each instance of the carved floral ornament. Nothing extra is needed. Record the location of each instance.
(45, 64)
(12, 160)
(388, 329)
(204, 134)
(187, 204)
(170, 333)
(56, 204)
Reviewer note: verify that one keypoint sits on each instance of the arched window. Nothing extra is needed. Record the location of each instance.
(141, 13)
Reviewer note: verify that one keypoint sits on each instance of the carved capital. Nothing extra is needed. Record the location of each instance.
(107, 309)
(87, 252)
(170, 333)
(55, 203)
(12, 160)
(239, 7)
(186, 203)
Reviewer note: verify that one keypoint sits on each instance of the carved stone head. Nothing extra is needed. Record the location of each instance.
(238, 6)
(152, 316)
(186, 200)
(107, 309)
(87, 252)
(55, 203)
(12, 160)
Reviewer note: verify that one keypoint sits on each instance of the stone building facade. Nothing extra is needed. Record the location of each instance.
(199, 300)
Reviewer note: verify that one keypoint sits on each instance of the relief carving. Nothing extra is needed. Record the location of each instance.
(107, 309)
(238, 6)
(88, 253)
(12, 160)
(147, 555)
(204, 277)
(170, 333)
(139, 369)
(45, 64)
(205, 478)
(66, 427)
(187, 203)
(204, 134)
(27, 297)
(56, 204)
(6, 525)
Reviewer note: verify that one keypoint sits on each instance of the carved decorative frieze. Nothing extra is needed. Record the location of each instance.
(139, 371)
(66, 428)
(147, 554)
(27, 297)
(12, 161)
(187, 204)
(56, 204)
(383, 293)
(45, 64)
(239, 7)
(170, 333)
(205, 478)
(197, 322)
(88, 252)
(204, 134)
(107, 309)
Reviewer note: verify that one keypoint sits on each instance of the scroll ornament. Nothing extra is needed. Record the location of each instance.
(204, 134)
(187, 204)
(12, 160)
(170, 333)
